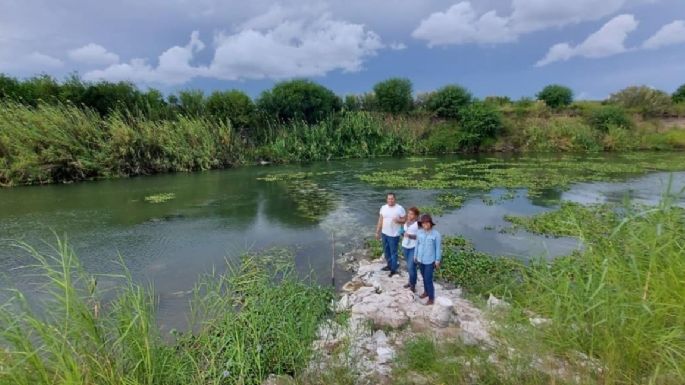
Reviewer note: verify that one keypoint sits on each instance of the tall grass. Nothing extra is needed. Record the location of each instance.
(58, 143)
(622, 300)
(256, 319)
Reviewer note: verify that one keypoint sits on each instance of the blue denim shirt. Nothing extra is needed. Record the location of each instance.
(428, 248)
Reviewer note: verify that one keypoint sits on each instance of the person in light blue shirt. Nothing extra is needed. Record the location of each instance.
(428, 254)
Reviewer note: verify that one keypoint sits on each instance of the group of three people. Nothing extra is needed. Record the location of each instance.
(420, 244)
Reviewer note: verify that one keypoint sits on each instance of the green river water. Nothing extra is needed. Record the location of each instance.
(221, 214)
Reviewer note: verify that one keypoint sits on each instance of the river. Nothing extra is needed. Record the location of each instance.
(220, 214)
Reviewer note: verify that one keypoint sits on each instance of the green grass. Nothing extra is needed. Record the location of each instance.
(570, 219)
(258, 318)
(621, 300)
(55, 143)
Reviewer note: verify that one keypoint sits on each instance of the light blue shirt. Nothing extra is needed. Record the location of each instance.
(428, 248)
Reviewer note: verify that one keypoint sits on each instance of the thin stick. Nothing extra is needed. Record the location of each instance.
(333, 262)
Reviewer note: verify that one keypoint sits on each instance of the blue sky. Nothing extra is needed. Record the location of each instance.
(493, 47)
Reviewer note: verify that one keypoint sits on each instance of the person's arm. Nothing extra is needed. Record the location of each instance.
(379, 226)
(401, 218)
(438, 249)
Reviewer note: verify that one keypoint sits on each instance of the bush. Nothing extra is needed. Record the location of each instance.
(556, 96)
(234, 106)
(679, 95)
(478, 122)
(299, 100)
(394, 95)
(445, 138)
(645, 100)
(606, 116)
(448, 101)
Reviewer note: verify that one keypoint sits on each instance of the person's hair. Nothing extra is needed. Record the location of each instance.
(415, 211)
(390, 193)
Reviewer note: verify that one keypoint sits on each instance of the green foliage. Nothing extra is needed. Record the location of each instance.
(299, 100)
(479, 121)
(445, 138)
(568, 220)
(560, 134)
(234, 106)
(621, 300)
(556, 96)
(448, 101)
(239, 333)
(478, 273)
(606, 116)
(394, 95)
(679, 95)
(647, 101)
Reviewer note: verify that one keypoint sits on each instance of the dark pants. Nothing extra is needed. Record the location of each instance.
(427, 274)
(390, 245)
(411, 265)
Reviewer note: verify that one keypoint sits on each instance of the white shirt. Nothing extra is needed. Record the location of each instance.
(412, 229)
(389, 214)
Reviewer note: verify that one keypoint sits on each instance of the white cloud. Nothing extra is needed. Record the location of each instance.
(40, 60)
(669, 34)
(535, 15)
(267, 47)
(608, 40)
(174, 66)
(460, 24)
(397, 46)
(93, 54)
(293, 48)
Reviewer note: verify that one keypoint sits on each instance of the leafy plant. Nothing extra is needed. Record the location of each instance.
(556, 96)
(393, 95)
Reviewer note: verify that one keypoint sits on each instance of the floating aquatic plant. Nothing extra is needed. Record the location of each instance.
(160, 198)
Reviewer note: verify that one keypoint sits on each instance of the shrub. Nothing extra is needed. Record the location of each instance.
(645, 100)
(299, 100)
(478, 122)
(394, 95)
(679, 95)
(445, 138)
(556, 96)
(448, 101)
(234, 106)
(603, 117)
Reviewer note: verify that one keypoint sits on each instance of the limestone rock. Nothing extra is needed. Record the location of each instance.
(442, 312)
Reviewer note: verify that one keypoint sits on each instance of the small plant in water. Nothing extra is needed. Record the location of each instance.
(160, 198)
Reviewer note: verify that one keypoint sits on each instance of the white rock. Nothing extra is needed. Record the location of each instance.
(496, 303)
(539, 321)
(385, 354)
(441, 314)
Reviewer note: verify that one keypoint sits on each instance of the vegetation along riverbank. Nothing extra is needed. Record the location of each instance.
(73, 130)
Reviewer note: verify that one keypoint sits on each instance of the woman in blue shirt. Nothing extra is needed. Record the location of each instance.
(428, 255)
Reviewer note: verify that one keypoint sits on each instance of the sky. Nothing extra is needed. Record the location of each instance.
(493, 47)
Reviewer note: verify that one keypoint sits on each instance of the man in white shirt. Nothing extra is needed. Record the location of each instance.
(390, 220)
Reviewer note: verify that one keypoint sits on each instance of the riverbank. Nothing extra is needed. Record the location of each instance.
(62, 143)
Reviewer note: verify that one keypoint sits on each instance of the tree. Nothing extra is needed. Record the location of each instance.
(479, 121)
(645, 100)
(192, 103)
(448, 101)
(394, 95)
(556, 96)
(234, 106)
(105, 97)
(298, 99)
(679, 95)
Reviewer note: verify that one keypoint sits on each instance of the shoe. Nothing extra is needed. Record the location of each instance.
(387, 268)
(413, 289)
(424, 295)
(430, 302)
(407, 286)
(393, 273)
